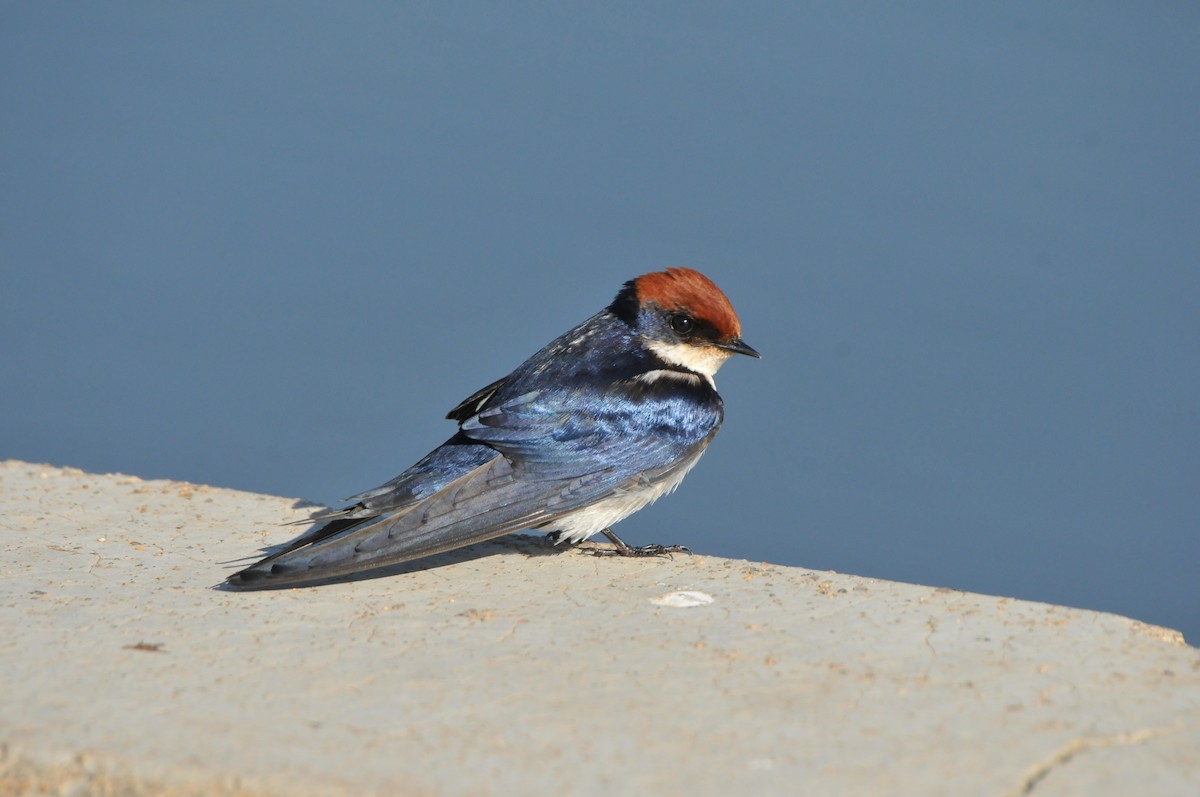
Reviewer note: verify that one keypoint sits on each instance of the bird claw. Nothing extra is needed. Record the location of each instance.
(641, 550)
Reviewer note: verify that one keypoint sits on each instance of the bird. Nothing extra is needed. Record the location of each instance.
(602, 421)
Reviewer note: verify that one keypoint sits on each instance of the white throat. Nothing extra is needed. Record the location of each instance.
(704, 360)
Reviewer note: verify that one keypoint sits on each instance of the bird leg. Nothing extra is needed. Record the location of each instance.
(622, 549)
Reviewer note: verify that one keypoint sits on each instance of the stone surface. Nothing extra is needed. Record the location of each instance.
(511, 669)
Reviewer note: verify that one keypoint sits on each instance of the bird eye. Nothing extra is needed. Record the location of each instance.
(682, 324)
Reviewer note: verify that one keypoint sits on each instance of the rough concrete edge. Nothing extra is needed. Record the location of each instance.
(82, 775)
(1161, 633)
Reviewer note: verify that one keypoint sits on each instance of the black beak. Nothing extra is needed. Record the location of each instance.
(739, 346)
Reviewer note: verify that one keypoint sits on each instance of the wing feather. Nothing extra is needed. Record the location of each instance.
(486, 503)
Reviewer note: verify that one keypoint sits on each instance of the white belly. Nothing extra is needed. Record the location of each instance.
(577, 526)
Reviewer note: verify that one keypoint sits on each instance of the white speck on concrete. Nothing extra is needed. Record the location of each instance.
(683, 600)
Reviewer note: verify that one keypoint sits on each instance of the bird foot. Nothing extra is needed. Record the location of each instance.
(641, 550)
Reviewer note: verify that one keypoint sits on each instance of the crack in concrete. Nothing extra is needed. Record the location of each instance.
(931, 627)
(1082, 744)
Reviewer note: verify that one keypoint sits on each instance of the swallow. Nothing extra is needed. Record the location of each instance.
(603, 421)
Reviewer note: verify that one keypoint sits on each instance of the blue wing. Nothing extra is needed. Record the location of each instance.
(518, 462)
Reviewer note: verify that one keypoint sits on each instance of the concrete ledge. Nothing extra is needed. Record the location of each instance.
(505, 669)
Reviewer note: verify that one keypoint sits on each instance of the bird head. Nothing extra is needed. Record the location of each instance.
(684, 318)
